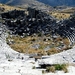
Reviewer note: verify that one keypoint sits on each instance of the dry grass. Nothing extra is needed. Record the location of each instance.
(25, 45)
(69, 10)
(19, 47)
(9, 8)
(52, 51)
(43, 71)
(60, 16)
(66, 42)
(52, 69)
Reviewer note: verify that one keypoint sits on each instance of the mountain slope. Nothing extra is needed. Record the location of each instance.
(27, 3)
(19, 2)
(3, 1)
(35, 2)
(59, 2)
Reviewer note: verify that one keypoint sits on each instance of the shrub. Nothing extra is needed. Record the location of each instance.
(61, 67)
(52, 69)
(58, 67)
(65, 70)
(33, 39)
(33, 67)
(43, 71)
(52, 51)
(39, 34)
(48, 69)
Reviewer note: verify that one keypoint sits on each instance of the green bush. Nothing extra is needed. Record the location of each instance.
(48, 69)
(43, 71)
(33, 67)
(59, 67)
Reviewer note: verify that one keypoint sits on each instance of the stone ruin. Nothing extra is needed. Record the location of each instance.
(35, 22)
(13, 14)
(66, 28)
(38, 22)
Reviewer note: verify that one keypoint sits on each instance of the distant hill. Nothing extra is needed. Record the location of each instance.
(17, 2)
(30, 3)
(59, 2)
(3, 1)
(34, 2)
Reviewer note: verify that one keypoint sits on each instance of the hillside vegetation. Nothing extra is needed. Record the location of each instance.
(7, 8)
(62, 13)
(38, 45)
